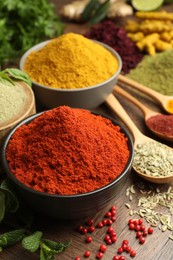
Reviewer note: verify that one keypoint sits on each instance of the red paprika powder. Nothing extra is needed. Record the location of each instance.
(162, 124)
(67, 151)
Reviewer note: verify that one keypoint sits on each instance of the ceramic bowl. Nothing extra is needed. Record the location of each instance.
(27, 109)
(88, 98)
(72, 206)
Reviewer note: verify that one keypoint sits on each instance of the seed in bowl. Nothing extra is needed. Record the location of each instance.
(67, 151)
(71, 61)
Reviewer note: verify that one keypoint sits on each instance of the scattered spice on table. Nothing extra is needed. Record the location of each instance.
(68, 151)
(153, 159)
(110, 237)
(116, 37)
(155, 72)
(71, 61)
(150, 204)
(162, 124)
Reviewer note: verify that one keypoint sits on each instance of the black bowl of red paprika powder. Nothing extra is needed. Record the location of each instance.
(67, 162)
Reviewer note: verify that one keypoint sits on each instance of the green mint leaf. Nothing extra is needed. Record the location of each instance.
(3, 242)
(19, 75)
(43, 255)
(46, 253)
(32, 242)
(12, 237)
(6, 79)
(2, 205)
(56, 247)
(11, 200)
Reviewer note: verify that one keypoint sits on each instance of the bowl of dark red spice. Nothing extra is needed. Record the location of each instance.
(72, 70)
(68, 162)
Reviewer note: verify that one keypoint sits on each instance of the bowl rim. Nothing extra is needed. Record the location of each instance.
(27, 120)
(42, 44)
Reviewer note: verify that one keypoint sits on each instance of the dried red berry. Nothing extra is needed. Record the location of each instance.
(91, 229)
(120, 250)
(100, 224)
(108, 214)
(103, 248)
(87, 254)
(128, 249)
(132, 253)
(142, 240)
(150, 230)
(116, 257)
(90, 222)
(88, 239)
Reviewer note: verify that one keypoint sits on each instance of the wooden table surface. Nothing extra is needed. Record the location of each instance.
(158, 246)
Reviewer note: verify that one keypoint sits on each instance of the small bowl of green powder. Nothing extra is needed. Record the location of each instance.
(17, 102)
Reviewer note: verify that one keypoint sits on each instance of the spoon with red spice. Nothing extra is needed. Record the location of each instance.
(160, 124)
(165, 101)
(141, 140)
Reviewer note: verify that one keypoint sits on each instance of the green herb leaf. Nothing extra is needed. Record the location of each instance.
(6, 79)
(19, 75)
(100, 13)
(88, 10)
(57, 247)
(11, 237)
(11, 200)
(2, 205)
(32, 242)
(24, 24)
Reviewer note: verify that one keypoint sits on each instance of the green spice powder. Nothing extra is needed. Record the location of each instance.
(11, 99)
(155, 72)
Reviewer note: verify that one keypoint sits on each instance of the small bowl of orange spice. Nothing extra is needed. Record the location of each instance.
(68, 162)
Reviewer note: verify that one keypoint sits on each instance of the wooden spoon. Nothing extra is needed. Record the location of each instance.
(148, 113)
(139, 138)
(163, 100)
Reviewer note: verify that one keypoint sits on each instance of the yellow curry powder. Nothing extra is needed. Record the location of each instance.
(170, 106)
(71, 61)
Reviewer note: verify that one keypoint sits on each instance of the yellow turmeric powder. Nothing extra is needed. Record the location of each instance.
(71, 61)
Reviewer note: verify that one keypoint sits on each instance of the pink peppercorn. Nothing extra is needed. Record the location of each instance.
(150, 230)
(104, 222)
(100, 224)
(91, 229)
(113, 218)
(90, 222)
(88, 239)
(109, 222)
(116, 257)
(84, 230)
(110, 230)
(120, 250)
(108, 214)
(103, 248)
(121, 258)
(132, 253)
(87, 254)
(99, 255)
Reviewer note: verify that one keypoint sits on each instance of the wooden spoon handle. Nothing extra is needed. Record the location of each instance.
(152, 93)
(125, 94)
(116, 107)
